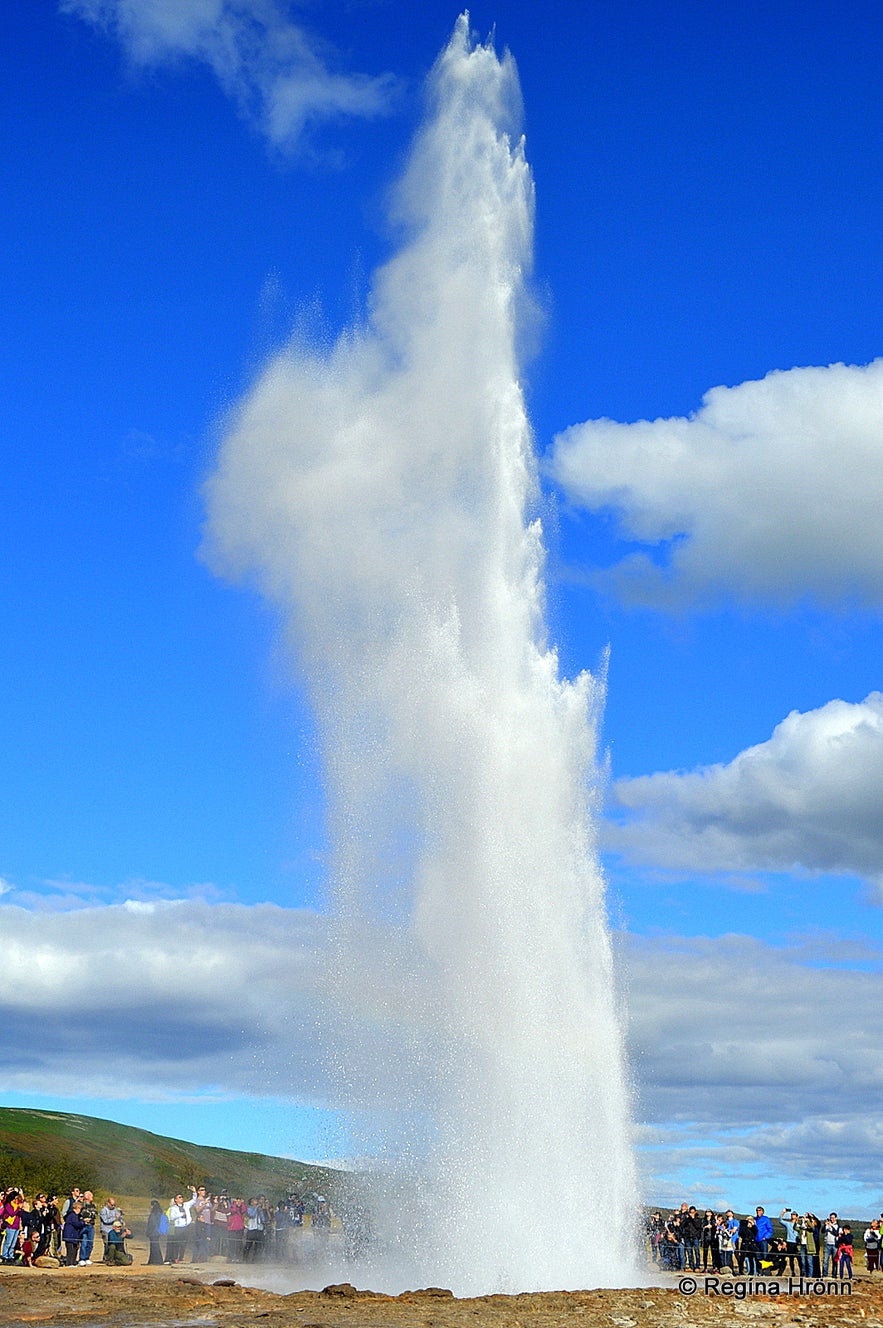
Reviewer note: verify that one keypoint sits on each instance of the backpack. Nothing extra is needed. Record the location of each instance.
(162, 1226)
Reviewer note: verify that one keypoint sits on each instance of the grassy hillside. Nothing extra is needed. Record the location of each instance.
(42, 1150)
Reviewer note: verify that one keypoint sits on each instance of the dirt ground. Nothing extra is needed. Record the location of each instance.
(206, 1295)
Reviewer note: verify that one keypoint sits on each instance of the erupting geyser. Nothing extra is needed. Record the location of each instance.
(382, 491)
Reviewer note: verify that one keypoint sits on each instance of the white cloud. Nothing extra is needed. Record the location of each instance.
(178, 998)
(745, 1055)
(278, 74)
(57, 895)
(808, 797)
(733, 1031)
(753, 1060)
(771, 491)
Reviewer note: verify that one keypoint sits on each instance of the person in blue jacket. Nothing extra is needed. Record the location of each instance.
(72, 1233)
(764, 1233)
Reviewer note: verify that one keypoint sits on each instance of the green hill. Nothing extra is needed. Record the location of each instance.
(51, 1151)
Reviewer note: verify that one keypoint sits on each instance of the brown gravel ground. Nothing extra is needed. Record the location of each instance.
(101, 1297)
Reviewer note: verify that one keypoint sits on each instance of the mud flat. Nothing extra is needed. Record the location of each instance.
(125, 1298)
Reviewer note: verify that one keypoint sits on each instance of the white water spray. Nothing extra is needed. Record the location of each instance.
(382, 492)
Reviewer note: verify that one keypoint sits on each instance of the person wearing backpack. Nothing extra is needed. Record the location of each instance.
(157, 1227)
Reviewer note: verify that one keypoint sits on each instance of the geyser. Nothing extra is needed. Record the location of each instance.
(383, 491)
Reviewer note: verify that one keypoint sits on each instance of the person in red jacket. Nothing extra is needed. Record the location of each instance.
(236, 1230)
(10, 1223)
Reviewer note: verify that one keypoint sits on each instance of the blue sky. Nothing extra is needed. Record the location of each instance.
(708, 204)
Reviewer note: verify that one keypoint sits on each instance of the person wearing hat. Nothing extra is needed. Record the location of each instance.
(116, 1244)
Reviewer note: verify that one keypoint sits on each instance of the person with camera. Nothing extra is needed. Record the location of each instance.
(179, 1224)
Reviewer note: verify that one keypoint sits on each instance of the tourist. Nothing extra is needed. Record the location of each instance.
(72, 1234)
(69, 1202)
(116, 1252)
(814, 1238)
(674, 1247)
(254, 1230)
(89, 1214)
(26, 1246)
(108, 1215)
(733, 1227)
(202, 1226)
(691, 1235)
(725, 1244)
(54, 1217)
(801, 1234)
(41, 1225)
(746, 1252)
(789, 1220)
(872, 1240)
(281, 1227)
(267, 1209)
(710, 1246)
(220, 1218)
(322, 1217)
(763, 1229)
(157, 1226)
(668, 1248)
(27, 1242)
(236, 1220)
(179, 1221)
(777, 1257)
(844, 1252)
(654, 1229)
(10, 1220)
(830, 1232)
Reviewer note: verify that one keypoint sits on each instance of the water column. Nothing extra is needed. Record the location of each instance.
(383, 492)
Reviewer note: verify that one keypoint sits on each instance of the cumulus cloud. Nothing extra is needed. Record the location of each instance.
(181, 996)
(745, 1055)
(771, 491)
(756, 1060)
(808, 797)
(163, 998)
(174, 997)
(733, 1031)
(278, 74)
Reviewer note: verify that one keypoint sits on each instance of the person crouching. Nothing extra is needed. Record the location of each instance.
(116, 1245)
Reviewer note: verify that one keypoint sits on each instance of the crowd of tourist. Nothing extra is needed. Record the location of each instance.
(45, 1230)
(807, 1246)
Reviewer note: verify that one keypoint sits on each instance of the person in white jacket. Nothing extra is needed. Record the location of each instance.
(873, 1239)
(179, 1222)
